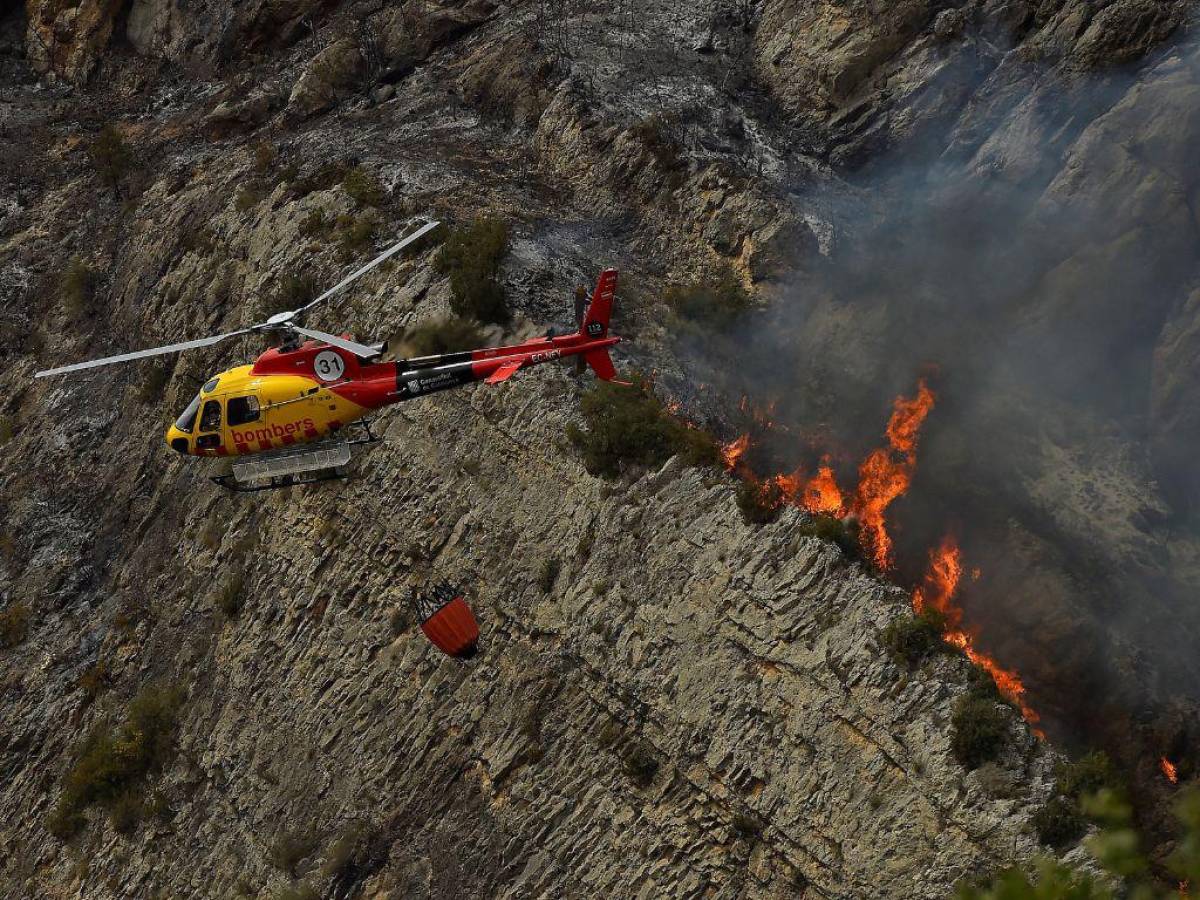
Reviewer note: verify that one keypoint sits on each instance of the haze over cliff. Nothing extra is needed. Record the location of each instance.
(670, 701)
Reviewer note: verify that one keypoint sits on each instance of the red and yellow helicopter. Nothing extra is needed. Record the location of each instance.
(286, 413)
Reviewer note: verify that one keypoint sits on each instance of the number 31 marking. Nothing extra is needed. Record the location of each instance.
(329, 366)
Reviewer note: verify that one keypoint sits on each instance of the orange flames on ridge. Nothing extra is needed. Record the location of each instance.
(937, 593)
(883, 476)
(1169, 770)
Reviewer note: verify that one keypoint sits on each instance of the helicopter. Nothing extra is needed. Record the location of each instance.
(293, 415)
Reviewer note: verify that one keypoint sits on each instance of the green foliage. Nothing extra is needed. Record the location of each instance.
(111, 155)
(1116, 848)
(911, 639)
(715, 305)
(320, 179)
(77, 287)
(1087, 775)
(630, 426)
(290, 848)
(1059, 823)
(265, 155)
(291, 292)
(398, 622)
(112, 763)
(125, 812)
(657, 133)
(228, 598)
(316, 225)
(471, 256)
(356, 233)
(249, 197)
(155, 376)
(14, 624)
(980, 728)
(362, 187)
(95, 680)
(442, 336)
(548, 574)
(759, 502)
(301, 891)
(65, 821)
(640, 765)
(6, 429)
(835, 531)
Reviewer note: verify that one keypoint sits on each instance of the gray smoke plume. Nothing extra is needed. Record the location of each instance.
(1038, 259)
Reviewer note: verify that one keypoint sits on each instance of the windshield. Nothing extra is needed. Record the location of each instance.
(187, 421)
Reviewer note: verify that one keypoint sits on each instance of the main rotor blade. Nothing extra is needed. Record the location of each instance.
(356, 349)
(140, 354)
(386, 254)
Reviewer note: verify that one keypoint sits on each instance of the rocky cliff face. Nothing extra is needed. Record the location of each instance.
(690, 706)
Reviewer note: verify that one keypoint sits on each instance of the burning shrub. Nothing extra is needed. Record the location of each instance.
(759, 503)
(980, 728)
(1059, 823)
(912, 639)
(714, 304)
(442, 336)
(630, 426)
(471, 257)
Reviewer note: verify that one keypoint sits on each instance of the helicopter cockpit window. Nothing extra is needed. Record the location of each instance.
(242, 410)
(210, 386)
(187, 421)
(210, 419)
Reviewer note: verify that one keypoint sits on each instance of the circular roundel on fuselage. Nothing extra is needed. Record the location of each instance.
(329, 366)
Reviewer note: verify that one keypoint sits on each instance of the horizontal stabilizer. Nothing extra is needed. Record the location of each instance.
(505, 372)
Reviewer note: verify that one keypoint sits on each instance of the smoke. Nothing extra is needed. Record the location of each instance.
(1036, 258)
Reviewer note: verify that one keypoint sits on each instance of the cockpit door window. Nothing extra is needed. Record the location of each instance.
(242, 410)
(187, 420)
(210, 419)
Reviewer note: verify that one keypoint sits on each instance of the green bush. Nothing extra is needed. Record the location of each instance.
(125, 813)
(94, 681)
(715, 305)
(630, 426)
(760, 502)
(1088, 775)
(14, 624)
(356, 234)
(301, 891)
(111, 155)
(979, 730)
(290, 848)
(228, 598)
(265, 155)
(362, 187)
(316, 225)
(6, 429)
(911, 639)
(1059, 823)
(442, 336)
(835, 531)
(249, 197)
(291, 292)
(112, 763)
(548, 574)
(155, 376)
(77, 287)
(640, 765)
(471, 256)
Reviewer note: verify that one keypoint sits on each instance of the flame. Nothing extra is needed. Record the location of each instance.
(733, 452)
(1169, 770)
(937, 592)
(822, 494)
(887, 472)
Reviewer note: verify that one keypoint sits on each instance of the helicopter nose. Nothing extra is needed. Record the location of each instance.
(177, 440)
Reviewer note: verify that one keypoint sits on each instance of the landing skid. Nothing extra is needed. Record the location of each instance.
(305, 464)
